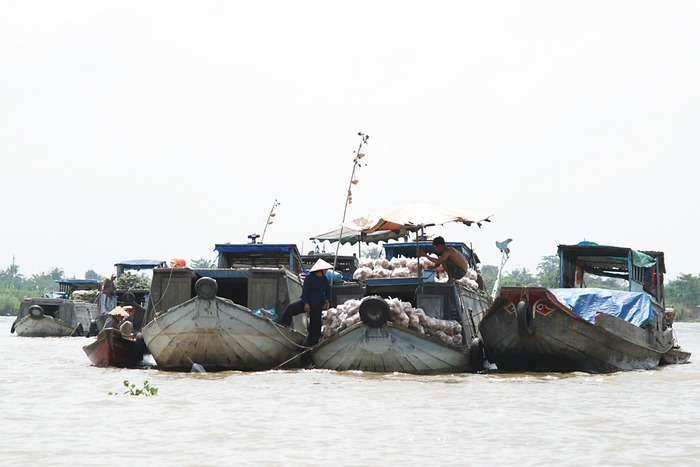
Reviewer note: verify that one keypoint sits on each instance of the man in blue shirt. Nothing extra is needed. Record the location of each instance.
(315, 297)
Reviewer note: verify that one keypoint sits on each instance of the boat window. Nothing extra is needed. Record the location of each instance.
(50, 310)
(433, 305)
(235, 289)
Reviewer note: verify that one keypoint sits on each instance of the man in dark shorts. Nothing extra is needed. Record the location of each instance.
(451, 260)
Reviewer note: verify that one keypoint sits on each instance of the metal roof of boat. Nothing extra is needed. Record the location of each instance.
(607, 254)
(78, 282)
(253, 247)
(140, 263)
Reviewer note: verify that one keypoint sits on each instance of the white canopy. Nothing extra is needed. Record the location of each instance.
(397, 222)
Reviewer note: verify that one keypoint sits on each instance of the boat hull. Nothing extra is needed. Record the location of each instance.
(556, 339)
(675, 356)
(387, 349)
(55, 317)
(111, 348)
(44, 326)
(219, 335)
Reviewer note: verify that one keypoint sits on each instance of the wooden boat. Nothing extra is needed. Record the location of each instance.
(58, 314)
(376, 344)
(226, 325)
(675, 356)
(578, 329)
(112, 348)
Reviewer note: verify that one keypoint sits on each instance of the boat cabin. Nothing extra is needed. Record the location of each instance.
(258, 255)
(141, 296)
(252, 275)
(346, 265)
(643, 270)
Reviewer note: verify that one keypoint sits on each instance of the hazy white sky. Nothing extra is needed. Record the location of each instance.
(155, 129)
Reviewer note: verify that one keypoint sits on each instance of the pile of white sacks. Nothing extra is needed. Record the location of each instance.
(406, 267)
(400, 313)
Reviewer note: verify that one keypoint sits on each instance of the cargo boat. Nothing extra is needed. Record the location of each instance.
(58, 314)
(223, 318)
(378, 344)
(574, 328)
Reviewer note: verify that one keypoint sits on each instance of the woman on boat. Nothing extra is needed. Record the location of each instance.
(315, 297)
(115, 318)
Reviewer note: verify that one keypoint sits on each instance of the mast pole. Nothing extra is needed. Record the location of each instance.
(348, 198)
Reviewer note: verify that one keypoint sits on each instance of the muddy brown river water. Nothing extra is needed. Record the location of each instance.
(56, 410)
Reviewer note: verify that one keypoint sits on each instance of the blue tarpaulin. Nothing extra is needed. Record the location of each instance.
(252, 247)
(78, 282)
(140, 263)
(633, 307)
(56, 295)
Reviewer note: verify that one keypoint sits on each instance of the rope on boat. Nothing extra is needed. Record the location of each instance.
(162, 295)
(278, 329)
(289, 360)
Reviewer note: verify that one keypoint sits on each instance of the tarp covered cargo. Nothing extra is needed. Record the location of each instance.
(634, 307)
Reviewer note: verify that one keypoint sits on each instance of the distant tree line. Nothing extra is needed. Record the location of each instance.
(14, 286)
(683, 293)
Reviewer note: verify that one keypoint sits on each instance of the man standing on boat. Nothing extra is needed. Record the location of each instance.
(315, 297)
(451, 260)
(108, 297)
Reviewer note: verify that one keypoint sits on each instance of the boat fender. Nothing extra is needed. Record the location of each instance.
(36, 312)
(78, 331)
(374, 311)
(141, 348)
(476, 355)
(128, 298)
(526, 318)
(206, 288)
(93, 330)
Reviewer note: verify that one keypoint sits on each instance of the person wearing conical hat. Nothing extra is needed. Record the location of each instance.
(315, 297)
(115, 317)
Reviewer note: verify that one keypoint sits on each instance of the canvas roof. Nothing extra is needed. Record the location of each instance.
(397, 222)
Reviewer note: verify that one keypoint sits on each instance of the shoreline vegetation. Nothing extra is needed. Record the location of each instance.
(682, 294)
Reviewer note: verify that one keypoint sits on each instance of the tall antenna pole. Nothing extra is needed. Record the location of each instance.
(269, 219)
(348, 199)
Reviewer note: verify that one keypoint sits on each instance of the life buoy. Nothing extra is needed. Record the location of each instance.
(525, 317)
(206, 288)
(374, 312)
(476, 355)
(36, 312)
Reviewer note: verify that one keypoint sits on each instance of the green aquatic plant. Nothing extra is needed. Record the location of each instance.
(132, 390)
